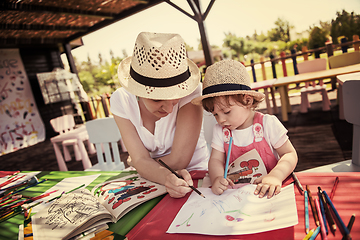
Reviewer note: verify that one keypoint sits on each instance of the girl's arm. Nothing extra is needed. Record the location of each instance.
(272, 182)
(216, 172)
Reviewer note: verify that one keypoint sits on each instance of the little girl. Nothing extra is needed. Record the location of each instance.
(261, 152)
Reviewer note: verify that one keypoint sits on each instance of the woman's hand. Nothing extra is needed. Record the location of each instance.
(178, 187)
(267, 184)
(220, 185)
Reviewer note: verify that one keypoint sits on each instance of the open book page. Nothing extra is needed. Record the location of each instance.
(235, 212)
(69, 215)
(121, 195)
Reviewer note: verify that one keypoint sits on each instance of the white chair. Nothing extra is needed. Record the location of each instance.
(103, 132)
(65, 124)
(351, 90)
(209, 122)
(313, 66)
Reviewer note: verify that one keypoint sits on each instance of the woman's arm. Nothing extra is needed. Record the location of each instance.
(188, 126)
(146, 166)
(272, 182)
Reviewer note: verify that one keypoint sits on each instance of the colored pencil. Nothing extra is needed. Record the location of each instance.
(228, 158)
(311, 232)
(329, 217)
(306, 212)
(350, 224)
(22, 189)
(323, 216)
(297, 183)
(316, 232)
(332, 193)
(345, 230)
(312, 204)
(322, 224)
(192, 187)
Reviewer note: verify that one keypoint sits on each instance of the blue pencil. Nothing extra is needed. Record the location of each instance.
(345, 229)
(228, 158)
(316, 232)
(22, 189)
(306, 212)
(322, 209)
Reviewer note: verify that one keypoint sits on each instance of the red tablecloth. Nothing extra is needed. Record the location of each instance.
(346, 200)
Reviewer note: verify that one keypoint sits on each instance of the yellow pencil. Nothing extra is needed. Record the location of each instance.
(309, 234)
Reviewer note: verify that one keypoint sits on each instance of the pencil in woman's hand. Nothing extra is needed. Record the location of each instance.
(192, 187)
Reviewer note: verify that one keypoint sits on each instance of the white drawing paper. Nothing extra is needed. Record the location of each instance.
(235, 212)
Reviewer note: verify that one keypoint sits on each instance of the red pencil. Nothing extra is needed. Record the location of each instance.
(334, 188)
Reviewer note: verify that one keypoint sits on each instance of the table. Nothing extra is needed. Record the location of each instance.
(346, 200)
(10, 228)
(266, 84)
(282, 83)
(81, 135)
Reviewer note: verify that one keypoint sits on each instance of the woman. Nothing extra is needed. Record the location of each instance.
(154, 114)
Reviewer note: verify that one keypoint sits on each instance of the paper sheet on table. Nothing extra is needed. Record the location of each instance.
(65, 185)
(235, 212)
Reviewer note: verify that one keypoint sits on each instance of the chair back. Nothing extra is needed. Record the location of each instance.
(317, 64)
(351, 90)
(63, 124)
(344, 59)
(103, 132)
(209, 122)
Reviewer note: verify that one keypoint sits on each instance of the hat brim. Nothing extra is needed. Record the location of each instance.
(159, 93)
(257, 95)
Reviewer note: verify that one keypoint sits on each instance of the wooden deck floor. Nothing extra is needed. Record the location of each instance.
(319, 137)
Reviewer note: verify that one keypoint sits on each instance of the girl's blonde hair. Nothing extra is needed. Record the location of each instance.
(209, 103)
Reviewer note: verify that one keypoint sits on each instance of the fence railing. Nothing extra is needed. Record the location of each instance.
(99, 106)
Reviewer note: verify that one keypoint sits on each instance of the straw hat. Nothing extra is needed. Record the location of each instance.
(227, 77)
(159, 68)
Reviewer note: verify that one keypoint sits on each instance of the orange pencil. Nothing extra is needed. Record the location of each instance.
(312, 204)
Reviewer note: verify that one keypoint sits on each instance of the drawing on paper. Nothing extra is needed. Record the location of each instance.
(236, 211)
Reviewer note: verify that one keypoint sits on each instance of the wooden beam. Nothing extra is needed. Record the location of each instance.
(36, 27)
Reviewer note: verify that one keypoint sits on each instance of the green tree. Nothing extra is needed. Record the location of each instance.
(317, 38)
(281, 31)
(346, 25)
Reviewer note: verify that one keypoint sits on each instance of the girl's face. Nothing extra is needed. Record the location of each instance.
(235, 116)
(159, 108)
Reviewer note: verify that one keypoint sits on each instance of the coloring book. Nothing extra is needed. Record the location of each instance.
(81, 210)
(235, 212)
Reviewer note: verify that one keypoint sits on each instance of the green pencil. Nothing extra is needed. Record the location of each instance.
(66, 193)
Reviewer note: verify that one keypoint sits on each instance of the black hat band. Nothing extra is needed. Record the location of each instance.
(225, 87)
(160, 82)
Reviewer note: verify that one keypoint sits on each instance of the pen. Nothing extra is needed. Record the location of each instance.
(192, 187)
(228, 158)
(332, 193)
(329, 217)
(322, 224)
(312, 204)
(306, 212)
(297, 182)
(346, 231)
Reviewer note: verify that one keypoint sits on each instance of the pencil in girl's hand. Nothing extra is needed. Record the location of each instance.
(192, 187)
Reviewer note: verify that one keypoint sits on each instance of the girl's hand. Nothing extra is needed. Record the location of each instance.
(178, 187)
(267, 184)
(220, 185)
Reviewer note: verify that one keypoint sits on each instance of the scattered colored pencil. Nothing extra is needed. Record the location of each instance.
(346, 232)
(228, 158)
(312, 204)
(309, 234)
(332, 193)
(297, 183)
(22, 189)
(322, 224)
(316, 232)
(306, 212)
(65, 193)
(329, 217)
(192, 187)
(350, 224)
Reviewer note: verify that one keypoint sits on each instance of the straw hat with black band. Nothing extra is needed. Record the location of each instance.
(159, 68)
(227, 77)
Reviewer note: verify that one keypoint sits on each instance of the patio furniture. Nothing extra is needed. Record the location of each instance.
(282, 83)
(69, 135)
(312, 66)
(267, 84)
(344, 59)
(351, 90)
(103, 132)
